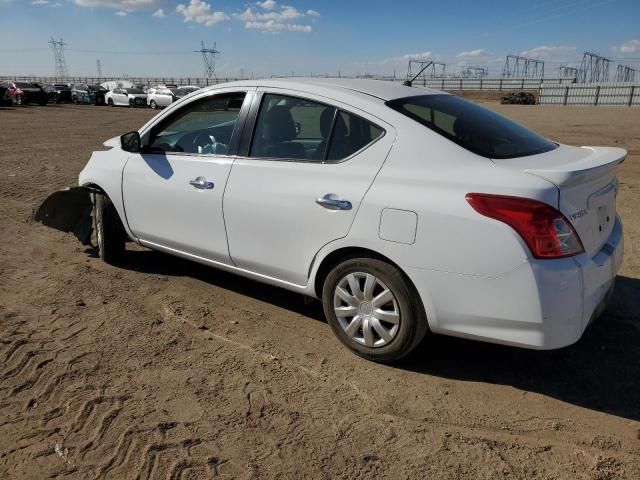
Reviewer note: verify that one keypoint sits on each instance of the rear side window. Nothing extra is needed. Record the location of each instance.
(350, 134)
(475, 128)
(297, 128)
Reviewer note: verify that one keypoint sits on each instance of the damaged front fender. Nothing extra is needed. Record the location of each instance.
(69, 210)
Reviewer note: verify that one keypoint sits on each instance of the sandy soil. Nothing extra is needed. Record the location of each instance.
(165, 369)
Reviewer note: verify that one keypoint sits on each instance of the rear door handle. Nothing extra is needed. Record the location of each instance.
(331, 201)
(201, 183)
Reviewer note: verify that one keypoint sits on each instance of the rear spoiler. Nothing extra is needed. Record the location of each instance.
(595, 163)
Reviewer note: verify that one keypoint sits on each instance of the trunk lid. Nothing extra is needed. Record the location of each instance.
(587, 187)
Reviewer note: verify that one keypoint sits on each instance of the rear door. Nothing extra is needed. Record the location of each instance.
(173, 191)
(298, 183)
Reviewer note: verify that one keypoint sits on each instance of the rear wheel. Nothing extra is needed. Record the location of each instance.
(132, 103)
(153, 104)
(110, 102)
(373, 309)
(110, 234)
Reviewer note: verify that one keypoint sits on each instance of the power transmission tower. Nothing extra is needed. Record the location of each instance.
(594, 68)
(625, 73)
(517, 66)
(566, 71)
(209, 60)
(99, 68)
(432, 70)
(61, 70)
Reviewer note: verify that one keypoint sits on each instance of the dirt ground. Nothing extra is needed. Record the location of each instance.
(165, 369)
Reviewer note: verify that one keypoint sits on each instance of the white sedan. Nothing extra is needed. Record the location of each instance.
(407, 211)
(125, 97)
(159, 97)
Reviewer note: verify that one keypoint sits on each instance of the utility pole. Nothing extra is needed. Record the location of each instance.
(209, 60)
(60, 65)
(99, 68)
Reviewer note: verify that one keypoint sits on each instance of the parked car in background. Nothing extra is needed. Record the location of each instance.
(158, 97)
(51, 93)
(13, 93)
(63, 92)
(32, 93)
(407, 211)
(4, 94)
(180, 92)
(126, 97)
(519, 98)
(87, 94)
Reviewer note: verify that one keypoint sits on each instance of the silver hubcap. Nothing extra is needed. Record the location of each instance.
(366, 309)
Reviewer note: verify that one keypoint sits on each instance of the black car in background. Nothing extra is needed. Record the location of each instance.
(4, 95)
(62, 92)
(180, 92)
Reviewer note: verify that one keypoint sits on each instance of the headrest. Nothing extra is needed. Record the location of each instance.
(278, 125)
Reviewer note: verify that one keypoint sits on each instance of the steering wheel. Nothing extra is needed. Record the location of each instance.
(204, 143)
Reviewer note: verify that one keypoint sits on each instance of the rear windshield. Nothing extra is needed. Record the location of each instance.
(475, 128)
(134, 91)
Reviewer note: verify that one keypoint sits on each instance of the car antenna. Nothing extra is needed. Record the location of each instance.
(409, 83)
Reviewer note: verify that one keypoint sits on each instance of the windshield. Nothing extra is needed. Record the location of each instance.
(134, 91)
(471, 126)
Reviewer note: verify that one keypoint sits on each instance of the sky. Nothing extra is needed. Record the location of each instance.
(302, 37)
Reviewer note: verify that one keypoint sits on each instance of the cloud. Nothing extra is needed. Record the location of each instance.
(120, 5)
(550, 52)
(267, 4)
(200, 12)
(121, 13)
(632, 46)
(159, 13)
(273, 17)
(480, 52)
(39, 2)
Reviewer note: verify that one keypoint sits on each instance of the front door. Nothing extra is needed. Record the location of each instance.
(173, 190)
(300, 184)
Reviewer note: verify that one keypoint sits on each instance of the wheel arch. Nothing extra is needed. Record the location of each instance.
(344, 253)
(94, 187)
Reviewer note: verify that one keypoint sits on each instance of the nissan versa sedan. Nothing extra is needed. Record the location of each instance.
(407, 211)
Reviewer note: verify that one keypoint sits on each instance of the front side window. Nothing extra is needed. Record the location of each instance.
(474, 128)
(203, 127)
(301, 129)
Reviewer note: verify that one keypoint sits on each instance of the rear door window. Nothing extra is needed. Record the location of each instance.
(474, 128)
(300, 129)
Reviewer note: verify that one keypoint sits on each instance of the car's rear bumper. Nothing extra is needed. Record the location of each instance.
(541, 304)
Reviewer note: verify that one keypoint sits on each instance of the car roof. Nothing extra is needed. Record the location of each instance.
(381, 89)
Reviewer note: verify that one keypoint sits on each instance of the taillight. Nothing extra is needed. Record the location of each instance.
(547, 232)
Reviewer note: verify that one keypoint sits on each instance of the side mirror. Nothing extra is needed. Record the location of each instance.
(130, 142)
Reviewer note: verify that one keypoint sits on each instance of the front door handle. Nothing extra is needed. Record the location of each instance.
(201, 183)
(331, 201)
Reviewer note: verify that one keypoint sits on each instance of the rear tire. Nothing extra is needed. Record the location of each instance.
(110, 102)
(153, 104)
(132, 103)
(395, 327)
(110, 234)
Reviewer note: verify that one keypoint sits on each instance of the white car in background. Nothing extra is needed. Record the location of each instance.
(407, 211)
(125, 97)
(158, 97)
